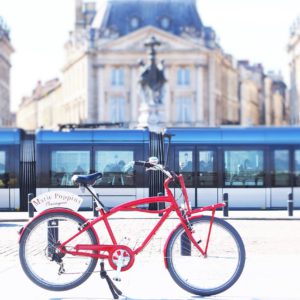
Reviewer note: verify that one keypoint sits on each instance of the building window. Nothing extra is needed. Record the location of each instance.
(117, 109)
(165, 22)
(183, 76)
(117, 77)
(134, 22)
(183, 110)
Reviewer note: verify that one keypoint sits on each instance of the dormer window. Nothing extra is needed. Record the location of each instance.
(165, 22)
(134, 22)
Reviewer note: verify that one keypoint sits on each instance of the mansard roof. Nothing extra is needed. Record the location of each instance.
(121, 17)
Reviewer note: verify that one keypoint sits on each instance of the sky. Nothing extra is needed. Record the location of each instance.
(256, 30)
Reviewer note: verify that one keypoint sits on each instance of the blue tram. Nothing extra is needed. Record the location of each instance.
(61, 154)
(10, 168)
(258, 167)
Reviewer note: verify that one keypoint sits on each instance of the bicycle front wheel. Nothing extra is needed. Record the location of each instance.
(212, 274)
(41, 261)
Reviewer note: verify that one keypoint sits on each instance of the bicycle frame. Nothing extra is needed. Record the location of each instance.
(100, 251)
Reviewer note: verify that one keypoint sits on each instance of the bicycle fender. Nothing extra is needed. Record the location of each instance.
(169, 237)
(65, 210)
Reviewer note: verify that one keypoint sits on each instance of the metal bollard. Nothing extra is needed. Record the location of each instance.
(185, 245)
(95, 211)
(225, 208)
(30, 196)
(290, 204)
(52, 237)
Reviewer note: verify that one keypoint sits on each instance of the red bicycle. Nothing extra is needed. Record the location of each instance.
(204, 255)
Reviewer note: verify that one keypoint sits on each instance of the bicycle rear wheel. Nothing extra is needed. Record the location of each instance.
(40, 260)
(209, 275)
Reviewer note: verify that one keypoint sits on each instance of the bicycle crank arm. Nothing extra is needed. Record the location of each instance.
(117, 276)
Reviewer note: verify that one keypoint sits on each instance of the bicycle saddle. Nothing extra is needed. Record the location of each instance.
(86, 179)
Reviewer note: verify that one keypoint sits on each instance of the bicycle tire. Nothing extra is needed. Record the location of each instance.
(37, 247)
(195, 273)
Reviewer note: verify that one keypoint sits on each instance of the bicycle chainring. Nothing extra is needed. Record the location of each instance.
(122, 255)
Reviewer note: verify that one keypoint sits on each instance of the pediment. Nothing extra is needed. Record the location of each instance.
(135, 41)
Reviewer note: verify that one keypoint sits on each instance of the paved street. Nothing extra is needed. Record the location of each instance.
(272, 268)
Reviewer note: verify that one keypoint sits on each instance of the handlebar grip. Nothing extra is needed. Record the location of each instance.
(174, 175)
(139, 163)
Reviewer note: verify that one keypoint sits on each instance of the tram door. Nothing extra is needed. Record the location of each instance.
(5, 192)
(199, 169)
(206, 179)
(185, 164)
(281, 179)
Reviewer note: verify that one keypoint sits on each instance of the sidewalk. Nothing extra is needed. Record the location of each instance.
(271, 270)
(232, 215)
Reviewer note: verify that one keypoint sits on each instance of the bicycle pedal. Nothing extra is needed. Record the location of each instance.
(118, 279)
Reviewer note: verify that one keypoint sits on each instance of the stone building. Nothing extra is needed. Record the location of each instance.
(6, 49)
(205, 86)
(251, 82)
(41, 109)
(276, 108)
(294, 65)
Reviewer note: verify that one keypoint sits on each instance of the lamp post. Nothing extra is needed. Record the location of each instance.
(151, 82)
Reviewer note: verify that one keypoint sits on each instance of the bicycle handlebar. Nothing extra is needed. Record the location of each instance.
(155, 167)
(145, 164)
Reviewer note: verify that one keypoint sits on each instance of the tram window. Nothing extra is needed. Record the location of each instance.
(113, 165)
(207, 169)
(64, 164)
(281, 175)
(297, 168)
(4, 177)
(244, 168)
(185, 166)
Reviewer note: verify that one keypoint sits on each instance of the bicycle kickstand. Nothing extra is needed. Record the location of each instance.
(114, 290)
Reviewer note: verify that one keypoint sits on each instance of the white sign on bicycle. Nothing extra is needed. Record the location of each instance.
(56, 199)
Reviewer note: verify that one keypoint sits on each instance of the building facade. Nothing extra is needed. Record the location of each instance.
(100, 76)
(276, 105)
(294, 65)
(6, 49)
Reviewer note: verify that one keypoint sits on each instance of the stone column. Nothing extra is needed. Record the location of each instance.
(211, 90)
(100, 93)
(92, 78)
(133, 112)
(199, 96)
